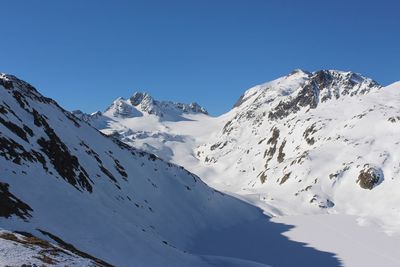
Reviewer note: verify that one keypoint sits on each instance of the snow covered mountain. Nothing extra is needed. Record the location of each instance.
(72, 196)
(144, 123)
(320, 142)
(142, 104)
(307, 142)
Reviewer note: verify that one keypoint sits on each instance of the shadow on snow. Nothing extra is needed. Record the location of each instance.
(259, 242)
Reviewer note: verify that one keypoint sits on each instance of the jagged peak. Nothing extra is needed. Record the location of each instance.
(138, 97)
(146, 102)
(143, 103)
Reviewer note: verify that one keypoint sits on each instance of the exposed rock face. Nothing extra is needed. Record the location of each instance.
(319, 87)
(11, 205)
(145, 103)
(138, 97)
(334, 84)
(370, 177)
(306, 97)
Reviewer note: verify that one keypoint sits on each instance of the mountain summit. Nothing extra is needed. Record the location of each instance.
(146, 104)
(142, 104)
(301, 89)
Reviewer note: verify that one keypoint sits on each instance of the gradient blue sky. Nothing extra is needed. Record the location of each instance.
(84, 54)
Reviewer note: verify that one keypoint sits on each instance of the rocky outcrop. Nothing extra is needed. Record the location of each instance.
(11, 205)
(370, 177)
(321, 86)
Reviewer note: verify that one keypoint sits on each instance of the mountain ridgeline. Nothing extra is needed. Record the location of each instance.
(108, 189)
(142, 104)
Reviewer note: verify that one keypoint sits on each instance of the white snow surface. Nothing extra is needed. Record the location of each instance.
(342, 235)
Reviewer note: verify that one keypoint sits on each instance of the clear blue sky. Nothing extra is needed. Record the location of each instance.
(84, 54)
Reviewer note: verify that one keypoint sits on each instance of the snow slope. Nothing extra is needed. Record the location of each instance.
(66, 187)
(17, 250)
(314, 143)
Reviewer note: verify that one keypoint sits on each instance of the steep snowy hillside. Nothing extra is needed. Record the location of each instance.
(326, 141)
(69, 195)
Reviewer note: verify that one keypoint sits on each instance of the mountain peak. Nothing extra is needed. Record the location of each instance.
(320, 85)
(142, 103)
(139, 97)
(145, 102)
(122, 108)
(299, 71)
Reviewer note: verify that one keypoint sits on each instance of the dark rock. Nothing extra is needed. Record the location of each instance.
(308, 134)
(307, 97)
(273, 141)
(281, 155)
(66, 164)
(370, 177)
(11, 205)
(285, 178)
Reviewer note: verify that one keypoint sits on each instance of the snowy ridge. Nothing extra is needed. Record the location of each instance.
(141, 104)
(300, 88)
(145, 103)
